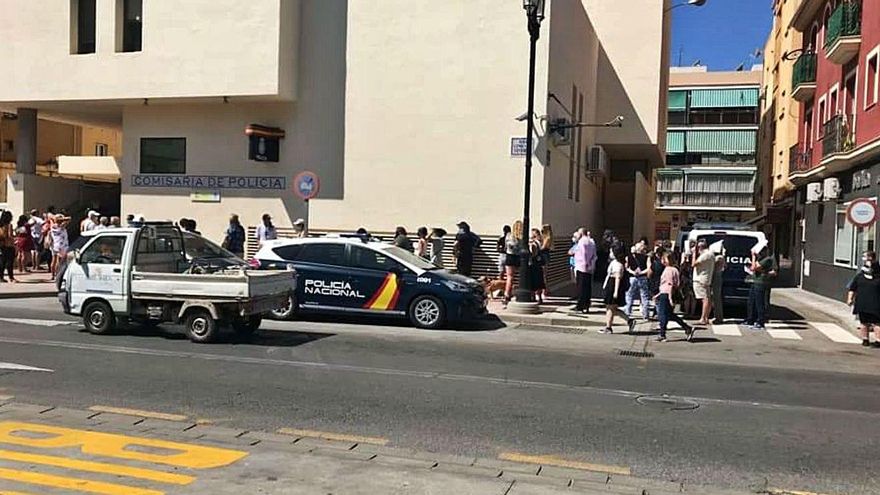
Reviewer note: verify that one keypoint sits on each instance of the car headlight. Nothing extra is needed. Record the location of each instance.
(456, 287)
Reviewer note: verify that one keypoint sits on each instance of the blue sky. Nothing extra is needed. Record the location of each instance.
(721, 34)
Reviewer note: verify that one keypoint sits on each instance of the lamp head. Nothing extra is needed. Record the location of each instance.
(536, 8)
(697, 3)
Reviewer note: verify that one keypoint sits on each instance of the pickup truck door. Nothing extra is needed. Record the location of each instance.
(101, 272)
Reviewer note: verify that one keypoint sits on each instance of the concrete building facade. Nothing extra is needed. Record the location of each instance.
(711, 151)
(404, 109)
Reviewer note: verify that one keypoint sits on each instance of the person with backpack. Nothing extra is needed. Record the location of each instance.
(466, 242)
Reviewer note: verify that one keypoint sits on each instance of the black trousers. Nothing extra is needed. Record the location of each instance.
(584, 290)
(8, 261)
(464, 265)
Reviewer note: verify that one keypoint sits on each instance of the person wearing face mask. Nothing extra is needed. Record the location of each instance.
(864, 296)
(763, 272)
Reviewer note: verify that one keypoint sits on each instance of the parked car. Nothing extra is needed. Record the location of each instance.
(356, 275)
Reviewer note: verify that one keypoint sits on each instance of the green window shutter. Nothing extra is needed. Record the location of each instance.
(724, 98)
(674, 142)
(677, 100)
(740, 142)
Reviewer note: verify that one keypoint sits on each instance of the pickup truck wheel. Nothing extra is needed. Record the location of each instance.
(247, 326)
(287, 312)
(99, 318)
(427, 312)
(200, 326)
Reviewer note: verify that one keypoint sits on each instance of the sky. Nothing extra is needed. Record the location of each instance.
(721, 34)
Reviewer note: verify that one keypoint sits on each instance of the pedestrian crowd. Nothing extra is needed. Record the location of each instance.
(32, 242)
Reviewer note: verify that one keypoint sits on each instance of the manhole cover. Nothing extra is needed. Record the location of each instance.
(667, 402)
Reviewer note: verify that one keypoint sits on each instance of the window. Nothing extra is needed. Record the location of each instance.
(106, 250)
(129, 25)
(288, 253)
(101, 149)
(850, 241)
(82, 26)
(163, 155)
(8, 146)
(369, 259)
(833, 108)
(323, 254)
(820, 118)
(872, 77)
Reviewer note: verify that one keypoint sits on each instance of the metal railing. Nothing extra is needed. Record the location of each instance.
(845, 21)
(837, 136)
(800, 159)
(804, 70)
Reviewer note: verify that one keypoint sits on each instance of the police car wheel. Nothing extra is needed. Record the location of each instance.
(427, 312)
(285, 313)
(200, 326)
(99, 318)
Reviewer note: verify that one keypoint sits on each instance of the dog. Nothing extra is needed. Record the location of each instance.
(492, 286)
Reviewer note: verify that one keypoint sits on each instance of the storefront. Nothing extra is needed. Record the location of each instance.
(829, 242)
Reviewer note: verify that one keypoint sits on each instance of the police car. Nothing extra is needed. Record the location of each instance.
(738, 244)
(357, 275)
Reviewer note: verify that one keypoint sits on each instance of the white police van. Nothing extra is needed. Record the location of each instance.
(738, 246)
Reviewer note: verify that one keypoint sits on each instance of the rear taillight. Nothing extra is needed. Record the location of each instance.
(254, 263)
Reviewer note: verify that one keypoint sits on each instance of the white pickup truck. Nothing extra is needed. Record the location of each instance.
(141, 274)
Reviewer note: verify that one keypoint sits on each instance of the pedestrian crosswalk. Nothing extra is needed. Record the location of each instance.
(792, 330)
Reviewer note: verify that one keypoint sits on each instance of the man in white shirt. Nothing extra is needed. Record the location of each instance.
(704, 268)
(266, 231)
(92, 222)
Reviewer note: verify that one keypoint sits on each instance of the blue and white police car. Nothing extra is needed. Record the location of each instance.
(355, 275)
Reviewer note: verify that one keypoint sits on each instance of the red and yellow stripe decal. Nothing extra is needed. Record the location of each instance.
(386, 297)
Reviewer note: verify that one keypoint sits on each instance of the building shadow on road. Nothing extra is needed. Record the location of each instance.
(268, 338)
(486, 323)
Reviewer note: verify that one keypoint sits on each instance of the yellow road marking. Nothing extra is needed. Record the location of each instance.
(119, 446)
(97, 467)
(782, 491)
(15, 493)
(549, 460)
(138, 412)
(76, 484)
(341, 437)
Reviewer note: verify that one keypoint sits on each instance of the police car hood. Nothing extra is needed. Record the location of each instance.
(455, 277)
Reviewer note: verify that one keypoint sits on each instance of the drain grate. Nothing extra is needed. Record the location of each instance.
(636, 354)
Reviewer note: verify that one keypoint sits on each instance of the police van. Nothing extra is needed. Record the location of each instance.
(738, 246)
(358, 275)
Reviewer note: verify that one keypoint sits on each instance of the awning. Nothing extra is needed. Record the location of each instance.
(102, 168)
(724, 98)
(677, 100)
(675, 142)
(727, 141)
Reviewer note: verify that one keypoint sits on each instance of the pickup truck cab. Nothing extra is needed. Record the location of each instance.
(141, 274)
(738, 246)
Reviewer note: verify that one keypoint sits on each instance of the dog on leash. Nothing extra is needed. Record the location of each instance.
(492, 286)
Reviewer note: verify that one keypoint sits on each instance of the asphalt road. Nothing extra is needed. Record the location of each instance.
(460, 393)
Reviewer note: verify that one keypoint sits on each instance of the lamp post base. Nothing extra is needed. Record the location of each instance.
(524, 308)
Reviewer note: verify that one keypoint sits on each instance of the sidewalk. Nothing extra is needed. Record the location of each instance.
(810, 305)
(29, 284)
(148, 453)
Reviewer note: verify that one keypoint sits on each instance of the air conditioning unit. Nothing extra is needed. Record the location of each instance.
(560, 132)
(598, 164)
(814, 192)
(831, 188)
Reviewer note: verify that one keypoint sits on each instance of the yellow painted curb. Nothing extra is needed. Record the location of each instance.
(549, 460)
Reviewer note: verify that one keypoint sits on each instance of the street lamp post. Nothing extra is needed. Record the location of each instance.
(534, 15)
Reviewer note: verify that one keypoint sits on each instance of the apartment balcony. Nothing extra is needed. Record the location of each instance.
(705, 189)
(803, 78)
(844, 36)
(837, 136)
(800, 159)
(806, 11)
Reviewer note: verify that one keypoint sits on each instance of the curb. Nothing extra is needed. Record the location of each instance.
(28, 295)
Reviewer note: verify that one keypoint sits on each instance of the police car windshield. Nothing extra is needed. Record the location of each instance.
(410, 258)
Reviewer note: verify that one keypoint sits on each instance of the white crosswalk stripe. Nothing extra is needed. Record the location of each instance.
(727, 330)
(784, 334)
(836, 333)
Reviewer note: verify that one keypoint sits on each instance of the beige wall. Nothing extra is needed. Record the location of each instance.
(633, 69)
(90, 136)
(195, 48)
(53, 139)
(430, 110)
(702, 77)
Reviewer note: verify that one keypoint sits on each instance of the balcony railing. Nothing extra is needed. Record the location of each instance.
(837, 136)
(800, 159)
(804, 70)
(845, 21)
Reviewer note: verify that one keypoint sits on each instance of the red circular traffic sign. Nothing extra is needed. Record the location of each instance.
(306, 185)
(862, 212)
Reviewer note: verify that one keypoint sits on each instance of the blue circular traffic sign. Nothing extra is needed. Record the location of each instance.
(306, 185)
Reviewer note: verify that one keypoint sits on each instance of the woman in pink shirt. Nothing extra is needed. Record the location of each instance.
(669, 282)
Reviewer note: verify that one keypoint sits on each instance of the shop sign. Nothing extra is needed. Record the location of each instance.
(306, 185)
(861, 179)
(205, 196)
(176, 181)
(862, 212)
